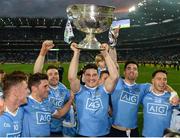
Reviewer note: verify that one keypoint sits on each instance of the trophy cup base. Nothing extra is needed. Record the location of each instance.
(90, 43)
(89, 46)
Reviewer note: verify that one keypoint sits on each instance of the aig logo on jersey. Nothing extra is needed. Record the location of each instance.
(129, 98)
(93, 104)
(158, 109)
(43, 118)
(56, 102)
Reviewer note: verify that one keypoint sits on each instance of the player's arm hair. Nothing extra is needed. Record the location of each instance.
(113, 55)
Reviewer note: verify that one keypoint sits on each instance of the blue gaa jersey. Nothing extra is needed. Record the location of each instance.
(92, 106)
(11, 124)
(69, 124)
(157, 114)
(37, 117)
(125, 103)
(58, 97)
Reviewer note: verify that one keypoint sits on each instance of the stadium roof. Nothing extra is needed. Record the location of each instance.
(54, 8)
(145, 12)
(149, 12)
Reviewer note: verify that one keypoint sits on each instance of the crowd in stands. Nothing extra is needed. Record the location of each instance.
(155, 44)
(164, 57)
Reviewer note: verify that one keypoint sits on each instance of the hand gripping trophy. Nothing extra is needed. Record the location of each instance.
(91, 19)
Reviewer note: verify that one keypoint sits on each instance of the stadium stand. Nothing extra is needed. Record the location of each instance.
(152, 37)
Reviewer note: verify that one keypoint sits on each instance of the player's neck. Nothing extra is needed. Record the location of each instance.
(12, 105)
(157, 92)
(36, 97)
(129, 81)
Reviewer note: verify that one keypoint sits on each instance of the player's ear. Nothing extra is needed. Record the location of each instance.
(152, 81)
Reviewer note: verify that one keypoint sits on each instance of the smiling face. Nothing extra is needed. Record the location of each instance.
(131, 73)
(42, 90)
(159, 82)
(91, 77)
(53, 77)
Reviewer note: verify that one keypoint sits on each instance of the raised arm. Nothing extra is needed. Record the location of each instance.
(46, 45)
(73, 69)
(110, 82)
(112, 49)
(113, 55)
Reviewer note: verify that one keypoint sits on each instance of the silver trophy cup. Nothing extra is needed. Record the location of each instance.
(91, 19)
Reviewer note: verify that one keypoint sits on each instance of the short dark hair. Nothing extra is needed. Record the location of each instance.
(130, 62)
(104, 72)
(35, 79)
(51, 67)
(12, 79)
(157, 71)
(90, 66)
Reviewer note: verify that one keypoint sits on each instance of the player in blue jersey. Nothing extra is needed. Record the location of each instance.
(58, 93)
(156, 107)
(70, 124)
(92, 99)
(125, 102)
(15, 91)
(126, 99)
(39, 110)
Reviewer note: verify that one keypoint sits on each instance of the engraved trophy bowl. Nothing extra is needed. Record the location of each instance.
(91, 19)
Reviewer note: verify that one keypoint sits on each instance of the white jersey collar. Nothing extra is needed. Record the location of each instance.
(90, 87)
(54, 88)
(159, 94)
(128, 83)
(30, 96)
(8, 111)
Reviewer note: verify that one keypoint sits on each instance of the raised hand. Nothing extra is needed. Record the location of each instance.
(46, 46)
(105, 48)
(174, 100)
(74, 47)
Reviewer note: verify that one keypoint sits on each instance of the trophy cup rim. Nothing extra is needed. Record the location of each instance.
(96, 5)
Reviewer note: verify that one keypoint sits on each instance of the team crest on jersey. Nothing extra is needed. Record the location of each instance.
(93, 104)
(43, 118)
(129, 97)
(159, 109)
(6, 125)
